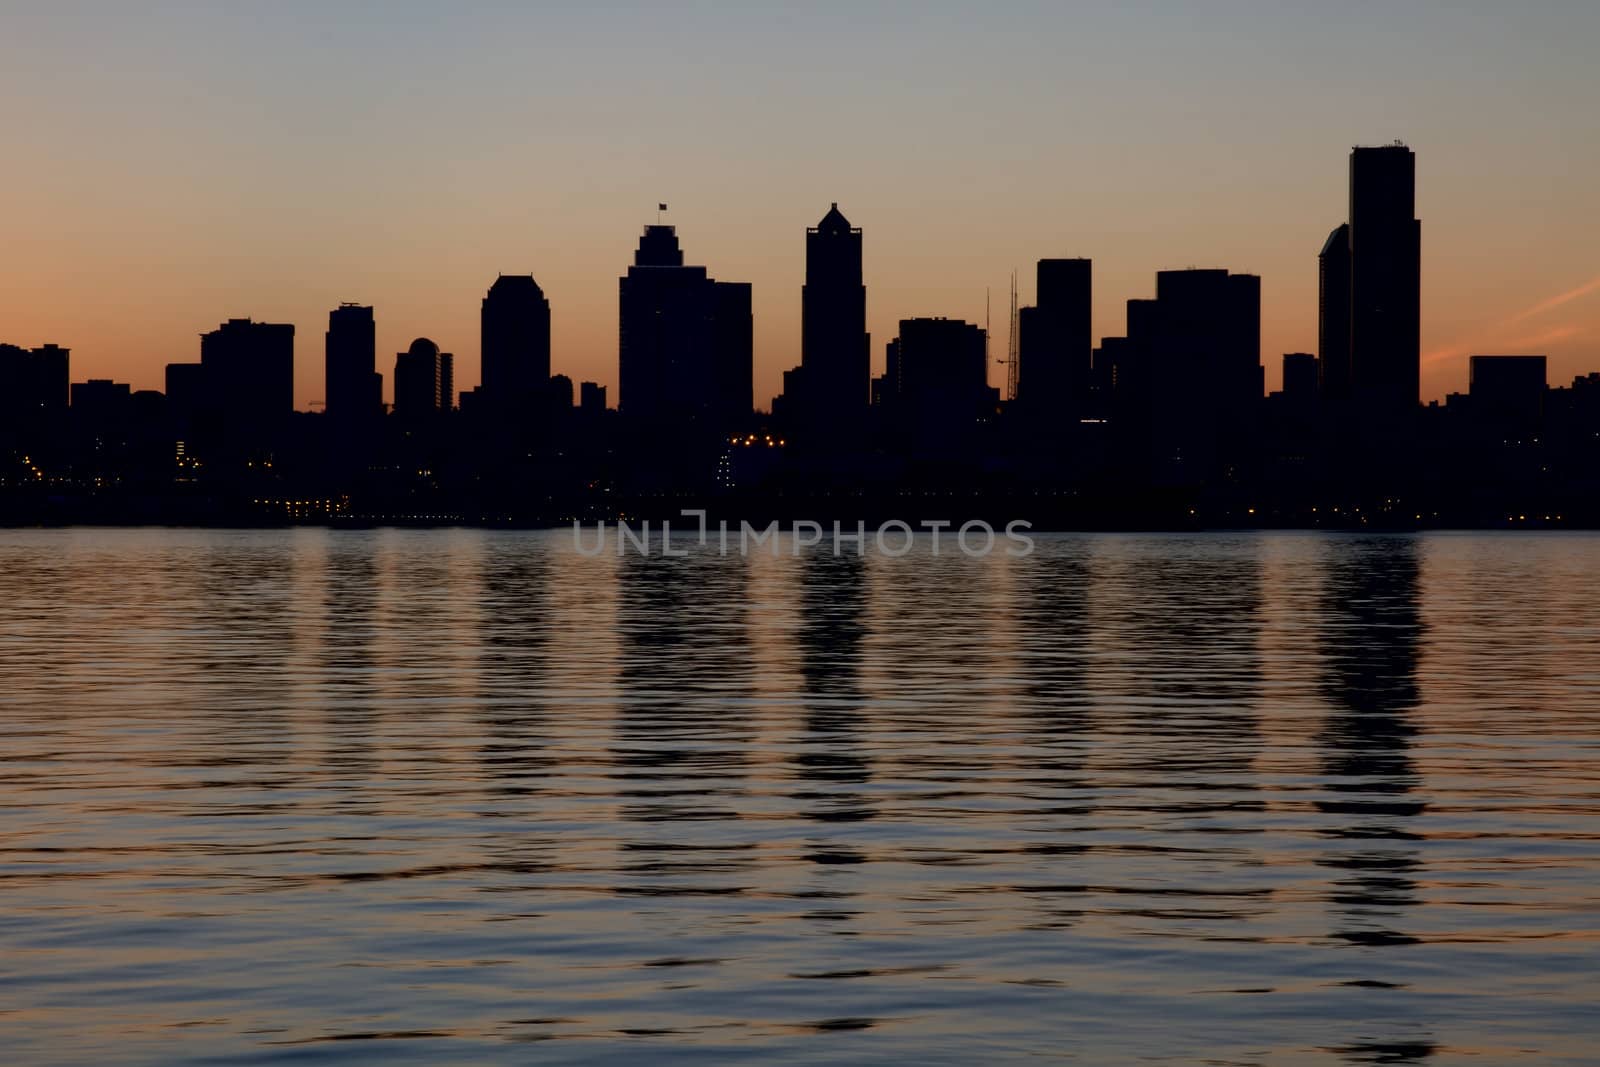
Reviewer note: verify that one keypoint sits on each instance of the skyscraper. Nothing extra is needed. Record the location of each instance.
(515, 336)
(1333, 315)
(1385, 280)
(835, 348)
(684, 343)
(33, 382)
(419, 388)
(353, 387)
(248, 370)
(1054, 340)
(1195, 357)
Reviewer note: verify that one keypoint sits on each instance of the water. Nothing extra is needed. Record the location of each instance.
(315, 796)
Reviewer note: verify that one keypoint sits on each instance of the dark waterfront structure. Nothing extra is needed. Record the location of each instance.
(353, 386)
(1385, 281)
(515, 336)
(685, 341)
(1055, 339)
(421, 380)
(835, 348)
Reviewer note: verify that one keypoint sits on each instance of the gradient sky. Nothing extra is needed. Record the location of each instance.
(170, 166)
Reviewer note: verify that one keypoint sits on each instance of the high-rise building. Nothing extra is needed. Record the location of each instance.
(419, 382)
(1055, 340)
(353, 387)
(1507, 391)
(835, 348)
(248, 370)
(684, 343)
(1333, 315)
(33, 382)
(1195, 357)
(1385, 280)
(592, 398)
(936, 386)
(1300, 374)
(515, 344)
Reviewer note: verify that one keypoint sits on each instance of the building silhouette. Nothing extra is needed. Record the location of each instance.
(515, 337)
(1188, 376)
(1055, 339)
(1385, 281)
(247, 371)
(422, 380)
(685, 350)
(935, 388)
(1301, 380)
(1508, 392)
(353, 387)
(834, 386)
(1333, 315)
(33, 382)
(592, 398)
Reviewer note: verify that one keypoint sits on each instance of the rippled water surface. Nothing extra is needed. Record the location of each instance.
(1232, 799)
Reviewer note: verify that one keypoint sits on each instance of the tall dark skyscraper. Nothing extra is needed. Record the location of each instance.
(1055, 340)
(685, 340)
(835, 348)
(353, 387)
(1385, 280)
(248, 370)
(1333, 315)
(516, 344)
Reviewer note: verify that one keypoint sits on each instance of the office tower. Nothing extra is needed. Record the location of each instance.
(248, 371)
(102, 402)
(418, 382)
(734, 372)
(353, 387)
(1507, 391)
(1197, 352)
(1300, 384)
(835, 349)
(1054, 340)
(560, 392)
(936, 387)
(516, 344)
(684, 342)
(447, 381)
(592, 398)
(33, 382)
(1385, 280)
(1333, 315)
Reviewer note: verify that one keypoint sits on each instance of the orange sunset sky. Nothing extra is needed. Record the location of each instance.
(170, 166)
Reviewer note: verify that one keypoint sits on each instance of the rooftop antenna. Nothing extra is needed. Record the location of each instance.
(1013, 352)
(660, 207)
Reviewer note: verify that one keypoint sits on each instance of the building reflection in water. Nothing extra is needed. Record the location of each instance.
(832, 623)
(348, 664)
(682, 733)
(515, 621)
(1371, 639)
